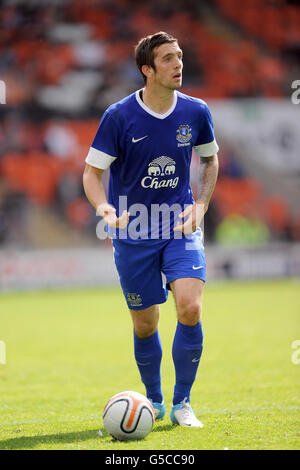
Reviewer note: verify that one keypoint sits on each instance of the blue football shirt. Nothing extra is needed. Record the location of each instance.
(149, 157)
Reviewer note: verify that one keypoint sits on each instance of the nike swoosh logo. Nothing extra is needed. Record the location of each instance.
(143, 363)
(134, 141)
(197, 267)
(195, 359)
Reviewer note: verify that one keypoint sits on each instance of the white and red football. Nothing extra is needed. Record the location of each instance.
(128, 415)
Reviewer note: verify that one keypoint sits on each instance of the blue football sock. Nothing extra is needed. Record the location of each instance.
(148, 355)
(187, 350)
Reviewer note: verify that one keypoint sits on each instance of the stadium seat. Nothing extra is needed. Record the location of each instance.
(79, 212)
(276, 214)
(12, 167)
(238, 196)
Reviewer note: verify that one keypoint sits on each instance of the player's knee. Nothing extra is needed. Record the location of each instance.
(189, 311)
(144, 328)
(145, 322)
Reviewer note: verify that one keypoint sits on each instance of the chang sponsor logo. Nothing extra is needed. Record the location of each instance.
(160, 174)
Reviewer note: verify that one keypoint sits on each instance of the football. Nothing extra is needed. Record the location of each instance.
(128, 415)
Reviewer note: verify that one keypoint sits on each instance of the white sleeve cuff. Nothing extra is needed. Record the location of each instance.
(99, 159)
(207, 150)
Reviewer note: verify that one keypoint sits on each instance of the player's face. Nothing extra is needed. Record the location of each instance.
(168, 65)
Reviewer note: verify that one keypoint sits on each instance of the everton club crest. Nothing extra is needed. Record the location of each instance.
(184, 133)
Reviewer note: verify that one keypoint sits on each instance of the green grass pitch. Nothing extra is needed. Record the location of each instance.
(68, 352)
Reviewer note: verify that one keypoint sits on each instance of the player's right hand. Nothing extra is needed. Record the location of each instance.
(192, 216)
(108, 213)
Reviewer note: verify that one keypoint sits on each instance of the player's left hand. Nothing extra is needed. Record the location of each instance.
(194, 214)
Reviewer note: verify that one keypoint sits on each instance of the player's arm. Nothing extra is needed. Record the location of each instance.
(209, 172)
(95, 192)
(209, 167)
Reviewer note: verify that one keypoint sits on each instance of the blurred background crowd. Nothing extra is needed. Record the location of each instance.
(65, 61)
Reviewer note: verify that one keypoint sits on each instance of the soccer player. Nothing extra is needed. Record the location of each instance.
(146, 140)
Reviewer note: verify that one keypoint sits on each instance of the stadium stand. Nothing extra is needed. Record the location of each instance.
(64, 62)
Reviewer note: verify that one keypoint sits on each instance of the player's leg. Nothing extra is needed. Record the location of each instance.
(188, 339)
(184, 267)
(148, 354)
(187, 347)
(141, 281)
(145, 322)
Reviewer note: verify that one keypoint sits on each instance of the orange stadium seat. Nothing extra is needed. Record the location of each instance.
(54, 62)
(84, 130)
(295, 229)
(41, 177)
(26, 50)
(12, 166)
(276, 23)
(238, 196)
(78, 212)
(34, 174)
(119, 51)
(101, 21)
(276, 213)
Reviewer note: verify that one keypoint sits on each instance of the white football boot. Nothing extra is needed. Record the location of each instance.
(183, 415)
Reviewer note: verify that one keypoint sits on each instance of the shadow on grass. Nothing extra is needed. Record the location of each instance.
(29, 442)
(163, 427)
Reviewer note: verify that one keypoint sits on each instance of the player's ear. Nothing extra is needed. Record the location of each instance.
(147, 70)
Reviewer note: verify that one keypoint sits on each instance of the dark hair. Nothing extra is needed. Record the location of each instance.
(144, 54)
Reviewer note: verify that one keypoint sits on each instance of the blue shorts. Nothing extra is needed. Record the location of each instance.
(141, 267)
